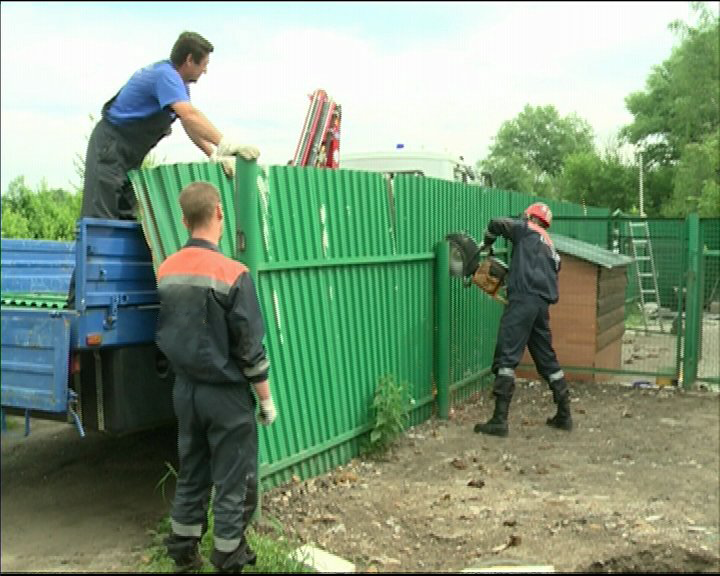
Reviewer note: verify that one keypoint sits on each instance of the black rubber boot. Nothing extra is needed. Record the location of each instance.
(562, 419)
(184, 551)
(497, 425)
(234, 562)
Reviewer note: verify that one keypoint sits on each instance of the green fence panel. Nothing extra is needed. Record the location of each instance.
(708, 364)
(427, 211)
(667, 238)
(157, 191)
(343, 308)
(710, 229)
(346, 270)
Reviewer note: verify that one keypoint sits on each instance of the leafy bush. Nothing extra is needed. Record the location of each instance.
(45, 213)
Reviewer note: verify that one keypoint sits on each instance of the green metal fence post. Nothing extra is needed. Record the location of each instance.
(248, 250)
(679, 322)
(248, 247)
(442, 328)
(693, 302)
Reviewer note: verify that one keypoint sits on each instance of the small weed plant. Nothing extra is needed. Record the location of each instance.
(390, 404)
(169, 473)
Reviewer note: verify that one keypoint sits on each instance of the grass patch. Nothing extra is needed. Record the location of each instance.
(13, 422)
(274, 551)
(634, 318)
(272, 547)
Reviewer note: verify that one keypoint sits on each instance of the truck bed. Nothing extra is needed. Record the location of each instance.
(48, 339)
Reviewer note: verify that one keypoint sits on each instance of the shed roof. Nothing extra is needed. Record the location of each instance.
(589, 252)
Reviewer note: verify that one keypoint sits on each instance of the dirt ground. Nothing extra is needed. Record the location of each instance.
(635, 487)
(72, 504)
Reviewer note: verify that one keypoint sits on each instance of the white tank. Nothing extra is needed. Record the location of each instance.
(403, 161)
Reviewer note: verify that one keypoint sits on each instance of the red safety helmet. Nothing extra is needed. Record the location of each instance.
(541, 211)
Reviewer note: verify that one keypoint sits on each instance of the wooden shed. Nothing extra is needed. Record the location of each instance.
(588, 322)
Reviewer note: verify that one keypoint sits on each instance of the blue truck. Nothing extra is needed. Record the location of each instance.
(90, 360)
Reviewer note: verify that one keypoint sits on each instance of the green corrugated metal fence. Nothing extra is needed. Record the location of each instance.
(701, 357)
(346, 267)
(345, 304)
(157, 191)
(668, 243)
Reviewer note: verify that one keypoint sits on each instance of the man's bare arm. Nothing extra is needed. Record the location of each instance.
(199, 129)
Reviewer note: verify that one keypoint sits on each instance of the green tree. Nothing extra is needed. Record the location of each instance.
(45, 213)
(14, 225)
(599, 180)
(696, 187)
(509, 173)
(529, 151)
(677, 116)
(682, 95)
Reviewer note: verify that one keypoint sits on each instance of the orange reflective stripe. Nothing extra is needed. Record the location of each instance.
(193, 261)
(540, 230)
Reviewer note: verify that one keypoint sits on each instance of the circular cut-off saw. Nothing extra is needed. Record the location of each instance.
(467, 262)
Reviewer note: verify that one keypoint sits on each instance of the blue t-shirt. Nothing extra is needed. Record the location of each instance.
(147, 92)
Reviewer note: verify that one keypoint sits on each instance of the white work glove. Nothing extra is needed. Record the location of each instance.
(227, 147)
(228, 164)
(267, 413)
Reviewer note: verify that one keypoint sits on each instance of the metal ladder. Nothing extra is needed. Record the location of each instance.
(645, 267)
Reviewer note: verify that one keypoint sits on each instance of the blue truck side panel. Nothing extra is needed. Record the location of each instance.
(130, 325)
(35, 359)
(114, 313)
(36, 266)
(114, 266)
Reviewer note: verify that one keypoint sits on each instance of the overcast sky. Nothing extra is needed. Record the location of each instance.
(443, 76)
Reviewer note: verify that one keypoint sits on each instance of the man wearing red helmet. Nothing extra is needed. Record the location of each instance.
(531, 288)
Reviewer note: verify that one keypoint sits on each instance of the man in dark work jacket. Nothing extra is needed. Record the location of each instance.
(532, 286)
(211, 329)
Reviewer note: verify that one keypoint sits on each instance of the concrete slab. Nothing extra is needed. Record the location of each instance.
(321, 561)
(511, 568)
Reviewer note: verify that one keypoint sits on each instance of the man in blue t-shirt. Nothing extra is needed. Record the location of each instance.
(139, 116)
